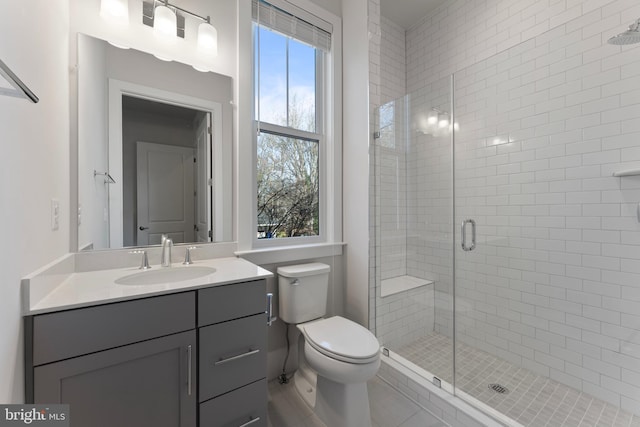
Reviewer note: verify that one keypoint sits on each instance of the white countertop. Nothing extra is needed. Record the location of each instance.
(82, 289)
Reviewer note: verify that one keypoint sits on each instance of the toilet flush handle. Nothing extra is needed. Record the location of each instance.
(295, 282)
(270, 317)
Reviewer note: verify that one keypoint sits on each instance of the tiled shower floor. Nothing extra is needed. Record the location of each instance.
(533, 400)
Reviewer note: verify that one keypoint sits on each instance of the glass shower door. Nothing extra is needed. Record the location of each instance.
(542, 330)
(499, 215)
(412, 213)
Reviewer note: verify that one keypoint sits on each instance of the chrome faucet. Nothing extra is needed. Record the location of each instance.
(144, 264)
(167, 244)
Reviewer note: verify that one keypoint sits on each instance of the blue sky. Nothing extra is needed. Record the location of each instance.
(273, 76)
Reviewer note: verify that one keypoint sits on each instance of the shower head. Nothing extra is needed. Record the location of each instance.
(631, 36)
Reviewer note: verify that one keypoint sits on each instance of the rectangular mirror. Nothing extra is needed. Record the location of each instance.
(154, 150)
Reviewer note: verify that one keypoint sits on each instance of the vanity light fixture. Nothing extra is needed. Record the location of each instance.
(168, 21)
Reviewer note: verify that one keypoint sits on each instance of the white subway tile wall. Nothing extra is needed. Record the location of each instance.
(547, 112)
(393, 72)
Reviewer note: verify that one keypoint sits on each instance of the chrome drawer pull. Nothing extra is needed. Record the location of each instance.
(240, 356)
(189, 369)
(255, 420)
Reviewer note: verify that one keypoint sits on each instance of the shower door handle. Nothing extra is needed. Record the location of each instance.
(463, 235)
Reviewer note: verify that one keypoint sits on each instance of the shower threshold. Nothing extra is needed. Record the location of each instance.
(433, 385)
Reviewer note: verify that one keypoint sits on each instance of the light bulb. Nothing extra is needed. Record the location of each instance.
(443, 121)
(208, 39)
(165, 22)
(116, 11)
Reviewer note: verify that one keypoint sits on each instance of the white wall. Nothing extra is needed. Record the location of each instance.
(356, 158)
(333, 6)
(392, 60)
(34, 164)
(93, 229)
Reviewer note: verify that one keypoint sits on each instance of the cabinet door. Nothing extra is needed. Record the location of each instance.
(151, 383)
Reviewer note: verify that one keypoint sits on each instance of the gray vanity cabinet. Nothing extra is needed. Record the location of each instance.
(142, 384)
(195, 358)
(127, 364)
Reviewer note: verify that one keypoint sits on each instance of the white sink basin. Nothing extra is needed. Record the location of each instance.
(165, 275)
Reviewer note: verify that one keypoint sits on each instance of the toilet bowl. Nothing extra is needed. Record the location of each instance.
(339, 356)
(336, 356)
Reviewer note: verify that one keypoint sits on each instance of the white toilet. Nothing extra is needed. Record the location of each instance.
(336, 357)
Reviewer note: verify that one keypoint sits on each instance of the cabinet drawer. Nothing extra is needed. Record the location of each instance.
(232, 354)
(227, 302)
(237, 408)
(71, 333)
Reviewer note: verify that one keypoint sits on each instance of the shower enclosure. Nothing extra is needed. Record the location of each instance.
(490, 268)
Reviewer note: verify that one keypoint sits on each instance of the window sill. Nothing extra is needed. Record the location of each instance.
(291, 253)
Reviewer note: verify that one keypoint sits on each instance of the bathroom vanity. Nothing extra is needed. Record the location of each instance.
(191, 354)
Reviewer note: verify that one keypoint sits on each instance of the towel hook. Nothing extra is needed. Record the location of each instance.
(108, 179)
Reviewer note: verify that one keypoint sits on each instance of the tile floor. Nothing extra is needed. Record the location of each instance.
(389, 408)
(532, 400)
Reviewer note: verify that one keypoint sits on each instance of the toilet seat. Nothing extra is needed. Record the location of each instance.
(342, 339)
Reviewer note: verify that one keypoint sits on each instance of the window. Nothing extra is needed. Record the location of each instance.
(289, 69)
(386, 118)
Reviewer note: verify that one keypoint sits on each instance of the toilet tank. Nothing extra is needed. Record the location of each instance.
(302, 291)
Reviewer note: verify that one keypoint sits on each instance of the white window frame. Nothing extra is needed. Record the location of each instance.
(326, 147)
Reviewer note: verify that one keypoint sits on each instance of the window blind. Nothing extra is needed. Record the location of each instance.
(302, 25)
